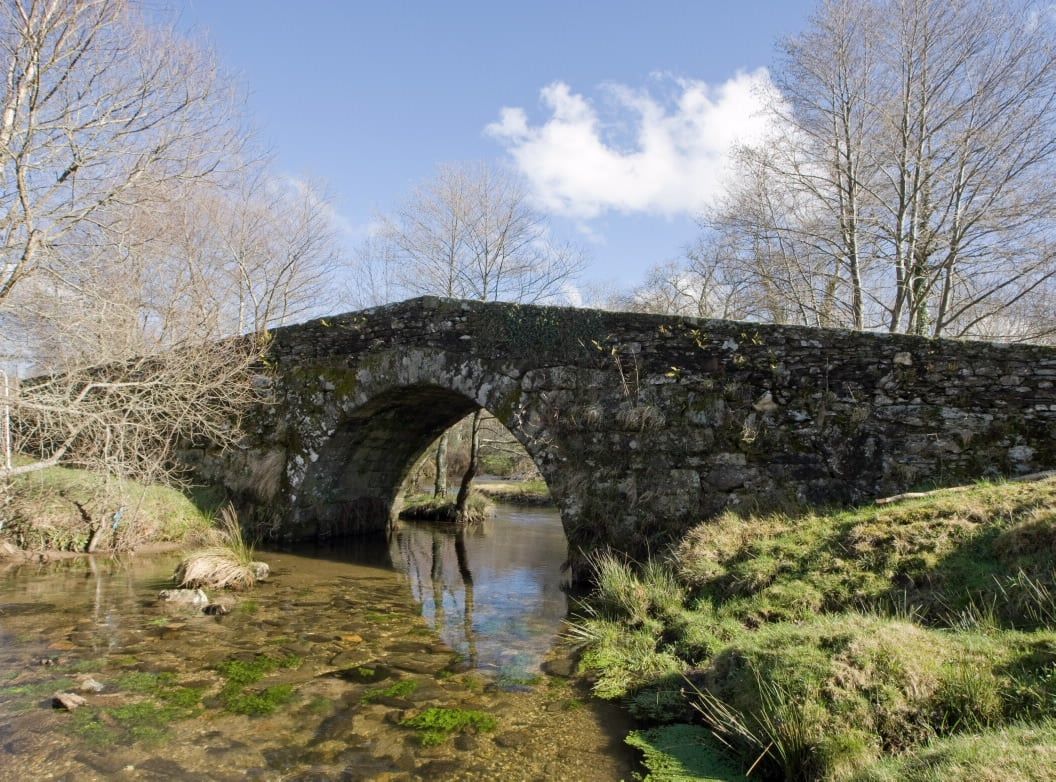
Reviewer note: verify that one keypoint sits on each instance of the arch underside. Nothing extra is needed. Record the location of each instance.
(354, 484)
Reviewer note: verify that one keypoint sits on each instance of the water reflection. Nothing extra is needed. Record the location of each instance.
(495, 593)
(331, 610)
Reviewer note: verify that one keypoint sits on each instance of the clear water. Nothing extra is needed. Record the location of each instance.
(459, 622)
(495, 593)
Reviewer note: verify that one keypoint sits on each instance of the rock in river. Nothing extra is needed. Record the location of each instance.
(190, 598)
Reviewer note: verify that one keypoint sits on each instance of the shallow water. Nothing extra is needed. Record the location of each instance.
(496, 593)
(347, 643)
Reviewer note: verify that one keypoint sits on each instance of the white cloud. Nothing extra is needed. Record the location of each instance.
(676, 158)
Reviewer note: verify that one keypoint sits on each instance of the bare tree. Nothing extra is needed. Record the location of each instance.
(907, 186)
(372, 278)
(127, 420)
(108, 127)
(186, 273)
(245, 253)
(470, 232)
(96, 107)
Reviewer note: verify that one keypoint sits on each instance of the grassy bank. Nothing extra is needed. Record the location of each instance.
(60, 509)
(426, 507)
(911, 642)
(533, 492)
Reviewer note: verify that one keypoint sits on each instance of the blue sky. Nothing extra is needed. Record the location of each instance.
(616, 112)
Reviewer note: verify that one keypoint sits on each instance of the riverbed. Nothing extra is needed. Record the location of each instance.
(424, 655)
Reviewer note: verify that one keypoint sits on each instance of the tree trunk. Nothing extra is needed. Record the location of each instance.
(440, 482)
(436, 574)
(471, 470)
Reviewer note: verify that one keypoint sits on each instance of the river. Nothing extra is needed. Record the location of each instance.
(426, 655)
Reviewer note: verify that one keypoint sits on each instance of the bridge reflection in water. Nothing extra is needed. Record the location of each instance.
(496, 593)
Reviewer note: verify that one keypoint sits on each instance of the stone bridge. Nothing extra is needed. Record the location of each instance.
(640, 424)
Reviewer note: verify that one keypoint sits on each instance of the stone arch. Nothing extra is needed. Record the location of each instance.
(642, 425)
(372, 424)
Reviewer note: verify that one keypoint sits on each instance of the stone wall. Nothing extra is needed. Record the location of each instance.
(641, 425)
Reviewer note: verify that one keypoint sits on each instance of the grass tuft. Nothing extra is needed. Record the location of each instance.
(226, 564)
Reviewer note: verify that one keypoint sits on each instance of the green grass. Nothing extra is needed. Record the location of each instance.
(45, 511)
(163, 702)
(850, 645)
(256, 703)
(244, 672)
(1026, 753)
(162, 687)
(23, 697)
(533, 492)
(435, 725)
(144, 721)
(946, 557)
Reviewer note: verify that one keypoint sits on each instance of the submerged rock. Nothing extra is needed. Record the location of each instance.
(564, 666)
(192, 598)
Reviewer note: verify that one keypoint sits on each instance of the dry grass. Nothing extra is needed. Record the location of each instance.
(227, 563)
(639, 417)
(259, 474)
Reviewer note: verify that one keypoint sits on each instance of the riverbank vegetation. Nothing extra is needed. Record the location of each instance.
(427, 507)
(472, 454)
(71, 510)
(529, 492)
(915, 641)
